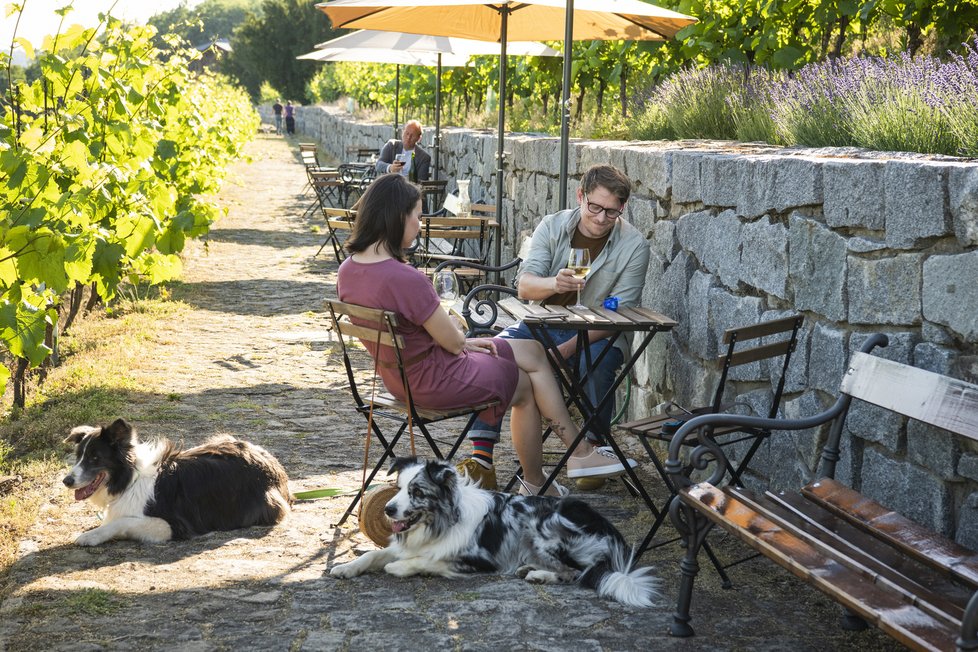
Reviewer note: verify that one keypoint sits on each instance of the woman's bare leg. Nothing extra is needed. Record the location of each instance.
(531, 359)
(525, 425)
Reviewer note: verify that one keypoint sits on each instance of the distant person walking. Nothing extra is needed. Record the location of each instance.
(277, 108)
(289, 118)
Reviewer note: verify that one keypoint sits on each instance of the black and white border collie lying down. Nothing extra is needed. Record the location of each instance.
(153, 491)
(445, 525)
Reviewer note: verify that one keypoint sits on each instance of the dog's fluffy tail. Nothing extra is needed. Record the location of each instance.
(616, 578)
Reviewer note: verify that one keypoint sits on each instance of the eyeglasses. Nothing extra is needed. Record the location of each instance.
(610, 213)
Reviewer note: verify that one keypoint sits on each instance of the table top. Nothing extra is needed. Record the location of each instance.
(624, 319)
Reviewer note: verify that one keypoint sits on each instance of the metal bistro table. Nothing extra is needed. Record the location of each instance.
(539, 319)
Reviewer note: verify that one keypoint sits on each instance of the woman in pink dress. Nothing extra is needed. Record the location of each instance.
(445, 369)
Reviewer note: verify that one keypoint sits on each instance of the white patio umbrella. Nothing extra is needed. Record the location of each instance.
(501, 20)
(420, 50)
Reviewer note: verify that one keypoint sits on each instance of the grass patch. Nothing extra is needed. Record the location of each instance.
(93, 385)
(91, 602)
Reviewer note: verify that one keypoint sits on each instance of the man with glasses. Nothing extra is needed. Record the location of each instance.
(619, 262)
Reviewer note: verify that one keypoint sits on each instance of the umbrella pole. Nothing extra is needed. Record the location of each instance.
(437, 115)
(397, 96)
(497, 254)
(565, 104)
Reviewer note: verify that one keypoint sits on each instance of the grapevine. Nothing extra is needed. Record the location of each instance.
(104, 160)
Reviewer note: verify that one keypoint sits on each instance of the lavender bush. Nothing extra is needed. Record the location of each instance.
(917, 104)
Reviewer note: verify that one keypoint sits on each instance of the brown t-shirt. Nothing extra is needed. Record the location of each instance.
(579, 241)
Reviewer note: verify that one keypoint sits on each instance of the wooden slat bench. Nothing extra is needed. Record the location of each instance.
(914, 584)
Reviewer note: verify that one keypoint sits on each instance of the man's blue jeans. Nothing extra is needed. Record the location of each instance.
(599, 382)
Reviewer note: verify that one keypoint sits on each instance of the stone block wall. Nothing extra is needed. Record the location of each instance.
(858, 242)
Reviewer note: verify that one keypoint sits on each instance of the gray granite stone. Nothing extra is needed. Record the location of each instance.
(715, 241)
(769, 183)
(720, 180)
(885, 290)
(916, 207)
(860, 245)
(817, 267)
(692, 383)
(686, 177)
(701, 337)
(828, 358)
(909, 490)
(933, 448)
(669, 293)
(640, 212)
(968, 466)
(962, 186)
(764, 257)
(853, 193)
(950, 295)
(650, 169)
(808, 443)
(967, 529)
(936, 358)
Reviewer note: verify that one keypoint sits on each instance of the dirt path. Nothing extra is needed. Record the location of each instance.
(250, 356)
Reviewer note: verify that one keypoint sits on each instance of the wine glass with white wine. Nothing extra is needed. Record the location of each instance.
(446, 287)
(579, 263)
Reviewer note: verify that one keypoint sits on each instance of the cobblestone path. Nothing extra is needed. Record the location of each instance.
(249, 355)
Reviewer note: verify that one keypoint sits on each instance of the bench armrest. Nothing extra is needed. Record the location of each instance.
(709, 452)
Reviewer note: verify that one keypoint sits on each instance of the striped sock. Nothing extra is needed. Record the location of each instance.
(482, 451)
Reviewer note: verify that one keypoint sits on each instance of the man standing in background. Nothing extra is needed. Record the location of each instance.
(277, 108)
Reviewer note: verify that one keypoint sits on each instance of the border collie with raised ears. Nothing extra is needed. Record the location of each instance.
(445, 525)
(154, 491)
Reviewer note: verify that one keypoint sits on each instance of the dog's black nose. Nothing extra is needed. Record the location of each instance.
(390, 510)
(68, 481)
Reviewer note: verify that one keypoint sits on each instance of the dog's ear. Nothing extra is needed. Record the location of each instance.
(401, 463)
(441, 474)
(80, 432)
(119, 432)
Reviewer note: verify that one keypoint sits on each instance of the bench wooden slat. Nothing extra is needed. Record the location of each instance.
(888, 610)
(934, 588)
(941, 401)
(900, 532)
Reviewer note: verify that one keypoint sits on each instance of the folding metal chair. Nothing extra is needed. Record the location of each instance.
(377, 327)
(339, 226)
(661, 427)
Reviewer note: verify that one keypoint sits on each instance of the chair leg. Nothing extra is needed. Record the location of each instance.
(388, 452)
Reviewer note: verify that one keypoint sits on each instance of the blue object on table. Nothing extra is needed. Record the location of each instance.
(611, 303)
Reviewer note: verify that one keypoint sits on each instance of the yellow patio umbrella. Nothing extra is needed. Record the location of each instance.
(517, 20)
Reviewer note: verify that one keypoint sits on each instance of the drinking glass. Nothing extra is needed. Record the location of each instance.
(580, 264)
(446, 287)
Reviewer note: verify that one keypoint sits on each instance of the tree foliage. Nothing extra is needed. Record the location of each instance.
(208, 21)
(266, 47)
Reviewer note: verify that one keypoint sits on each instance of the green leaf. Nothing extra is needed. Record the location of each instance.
(786, 57)
(24, 43)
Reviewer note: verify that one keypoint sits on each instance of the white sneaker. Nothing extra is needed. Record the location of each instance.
(555, 490)
(600, 463)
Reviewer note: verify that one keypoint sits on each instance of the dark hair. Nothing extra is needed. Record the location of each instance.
(609, 177)
(381, 215)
